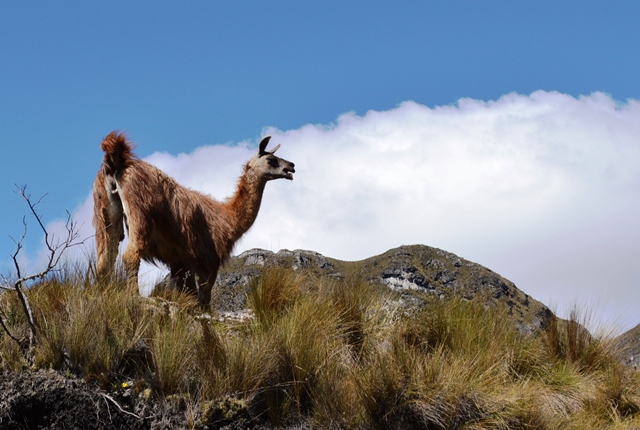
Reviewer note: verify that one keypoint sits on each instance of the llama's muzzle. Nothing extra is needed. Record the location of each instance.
(288, 173)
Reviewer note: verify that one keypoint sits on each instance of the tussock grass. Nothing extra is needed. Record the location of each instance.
(276, 291)
(337, 352)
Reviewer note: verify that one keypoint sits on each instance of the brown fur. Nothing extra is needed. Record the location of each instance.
(190, 232)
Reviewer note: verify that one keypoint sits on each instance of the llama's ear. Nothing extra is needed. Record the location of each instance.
(263, 145)
(274, 149)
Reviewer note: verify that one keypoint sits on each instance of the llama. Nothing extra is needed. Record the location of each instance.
(191, 233)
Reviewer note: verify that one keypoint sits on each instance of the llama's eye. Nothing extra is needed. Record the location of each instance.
(273, 162)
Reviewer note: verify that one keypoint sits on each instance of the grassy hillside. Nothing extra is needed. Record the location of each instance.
(330, 351)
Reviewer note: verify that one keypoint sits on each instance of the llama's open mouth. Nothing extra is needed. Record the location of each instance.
(288, 174)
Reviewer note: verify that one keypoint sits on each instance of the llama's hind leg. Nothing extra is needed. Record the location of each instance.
(131, 261)
(108, 220)
(107, 241)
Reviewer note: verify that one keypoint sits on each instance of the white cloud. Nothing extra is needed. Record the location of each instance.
(543, 189)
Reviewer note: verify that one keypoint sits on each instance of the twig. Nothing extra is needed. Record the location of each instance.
(6, 329)
(120, 407)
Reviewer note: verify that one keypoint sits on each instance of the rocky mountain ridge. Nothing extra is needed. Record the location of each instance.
(419, 274)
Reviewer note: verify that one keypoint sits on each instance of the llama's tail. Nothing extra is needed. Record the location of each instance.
(118, 153)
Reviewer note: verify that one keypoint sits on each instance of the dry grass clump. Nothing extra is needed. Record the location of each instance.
(336, 352)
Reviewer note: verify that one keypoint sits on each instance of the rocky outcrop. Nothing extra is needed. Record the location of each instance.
(417, 273)
(441, 274)
(628, 345)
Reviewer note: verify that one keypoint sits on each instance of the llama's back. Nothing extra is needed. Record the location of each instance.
(173, 224)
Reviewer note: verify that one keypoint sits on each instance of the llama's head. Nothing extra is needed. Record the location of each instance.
(267, 166)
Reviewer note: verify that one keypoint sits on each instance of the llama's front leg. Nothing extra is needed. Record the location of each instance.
(131, 261)
(205, 285)
(184, 280)
(204, 293)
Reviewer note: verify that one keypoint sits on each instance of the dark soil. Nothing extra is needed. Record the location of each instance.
(48, 400)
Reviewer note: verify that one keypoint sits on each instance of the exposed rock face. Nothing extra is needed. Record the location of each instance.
(628, 344)
(413, 271)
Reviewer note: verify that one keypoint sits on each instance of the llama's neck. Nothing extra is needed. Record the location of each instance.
(244, 205)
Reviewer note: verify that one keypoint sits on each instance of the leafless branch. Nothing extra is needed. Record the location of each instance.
(55, 251)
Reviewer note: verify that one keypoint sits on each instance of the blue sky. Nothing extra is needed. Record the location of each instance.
(183, 76)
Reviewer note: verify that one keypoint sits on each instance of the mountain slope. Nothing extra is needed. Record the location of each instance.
(629, 345)
(418, 274)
